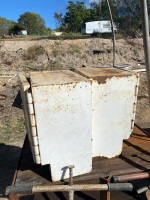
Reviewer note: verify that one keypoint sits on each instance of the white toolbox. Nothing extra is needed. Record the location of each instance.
(114, 97)
(74, 116)
(58, 109)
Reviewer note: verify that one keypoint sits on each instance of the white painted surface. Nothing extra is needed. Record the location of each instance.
(57, 33)
(70, 112)
(113, 108)
(62, 103)
(22, 32)
(29, 117)
(97, 27)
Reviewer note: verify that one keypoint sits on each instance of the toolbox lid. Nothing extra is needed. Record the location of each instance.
(55, 78)
(97, 73)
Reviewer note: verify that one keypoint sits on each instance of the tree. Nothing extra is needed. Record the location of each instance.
(73, 17)
(4, 25)
(59, 19)
(33, 23)
(95, 8)
(130, 14)
(76, 14)
(125, 12)
(14, 28)
(105, 11)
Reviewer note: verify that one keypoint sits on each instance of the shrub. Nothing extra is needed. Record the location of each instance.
(119, 36)
(74, 48)
(33, 52)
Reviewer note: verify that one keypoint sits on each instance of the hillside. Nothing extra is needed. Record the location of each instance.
(62, 54)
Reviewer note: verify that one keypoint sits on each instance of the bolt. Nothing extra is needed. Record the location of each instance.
(71, 174)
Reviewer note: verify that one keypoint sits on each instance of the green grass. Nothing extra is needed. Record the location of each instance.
(50, 37)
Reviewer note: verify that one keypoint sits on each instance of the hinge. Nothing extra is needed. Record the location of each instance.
(135, 102)
(34, 143)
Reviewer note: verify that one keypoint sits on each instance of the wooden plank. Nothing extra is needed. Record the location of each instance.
(134, 158)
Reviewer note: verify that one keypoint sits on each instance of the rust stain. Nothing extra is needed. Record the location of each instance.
(101, 80)
(102, 74)
(104, 79)
(60, 77)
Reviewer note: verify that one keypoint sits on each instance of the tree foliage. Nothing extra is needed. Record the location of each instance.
(5, 25)
(129, 14)
(59, 19)
(14, 28)
(125, 12)
(76, 14)
(105, 12)
(33, 23)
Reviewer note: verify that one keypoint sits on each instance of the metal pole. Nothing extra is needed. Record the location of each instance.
(113, 32)
(143, 189)
(130, 177)
(71, 174)
(71, 195)
(71, 192)
(67, 188)
(145, 26)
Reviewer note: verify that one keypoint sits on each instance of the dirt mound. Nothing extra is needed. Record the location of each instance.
(62, 54)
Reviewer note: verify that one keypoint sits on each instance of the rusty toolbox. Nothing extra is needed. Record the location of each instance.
(57, 107)
(73, 117)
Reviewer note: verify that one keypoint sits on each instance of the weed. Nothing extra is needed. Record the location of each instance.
(74, 49)
(136, 53)
(58, 66)
(119, 36)
(57, 43)
(11, 126)
(33, 52)
(25, 69)
(56, 49)
(131, 42)
(109, 50)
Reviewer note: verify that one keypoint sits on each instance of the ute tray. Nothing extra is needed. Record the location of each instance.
(135, 157)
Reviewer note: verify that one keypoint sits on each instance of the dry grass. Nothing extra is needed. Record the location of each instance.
(11, 125)
(33, 52)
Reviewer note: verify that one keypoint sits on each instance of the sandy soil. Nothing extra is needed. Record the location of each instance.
(24, 56)
(55, 54)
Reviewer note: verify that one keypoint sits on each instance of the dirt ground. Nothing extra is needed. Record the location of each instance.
(24, 56)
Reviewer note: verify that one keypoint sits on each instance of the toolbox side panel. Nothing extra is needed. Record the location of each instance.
(29, 114)
(63, 117)
(113, 105)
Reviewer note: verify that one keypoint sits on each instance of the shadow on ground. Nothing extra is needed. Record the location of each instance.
(9, 157)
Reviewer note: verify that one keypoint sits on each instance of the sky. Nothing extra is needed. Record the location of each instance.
(12, 9)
